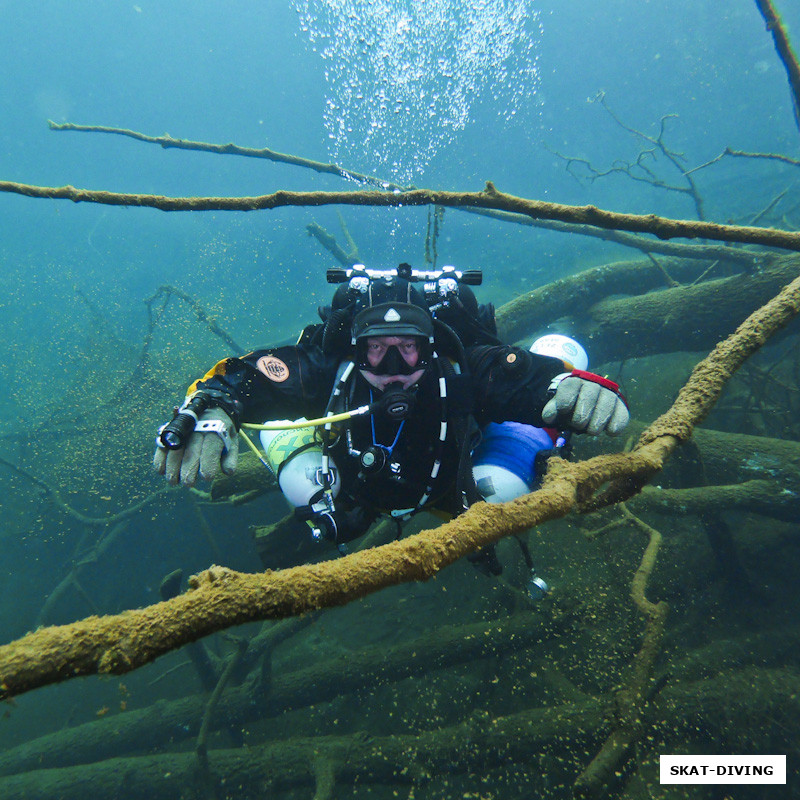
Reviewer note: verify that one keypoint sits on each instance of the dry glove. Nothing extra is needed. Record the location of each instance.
(586, 402)
(213, 447)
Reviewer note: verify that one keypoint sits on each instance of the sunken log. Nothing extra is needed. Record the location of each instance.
(480, 743)
(646, 320)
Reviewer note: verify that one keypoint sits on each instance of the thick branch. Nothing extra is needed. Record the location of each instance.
(321, 681)
(662, 227)
(589, 289)
(616, 327)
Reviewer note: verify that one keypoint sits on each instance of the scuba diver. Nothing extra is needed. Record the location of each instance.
(407, 401)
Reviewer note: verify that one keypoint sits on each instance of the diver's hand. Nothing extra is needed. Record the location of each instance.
(207, 452)
(586, 402)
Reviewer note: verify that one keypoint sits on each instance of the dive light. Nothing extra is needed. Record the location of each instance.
(177, 431)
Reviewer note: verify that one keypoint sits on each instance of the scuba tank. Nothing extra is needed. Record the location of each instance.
(560, 346)
(504, 464)
(295, 458)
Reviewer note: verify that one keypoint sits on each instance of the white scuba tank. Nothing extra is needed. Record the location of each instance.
(504, 463)
(295, 458)
(559, 346)
(497, 484)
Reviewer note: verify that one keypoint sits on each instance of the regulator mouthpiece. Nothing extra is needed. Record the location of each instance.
(397, 404)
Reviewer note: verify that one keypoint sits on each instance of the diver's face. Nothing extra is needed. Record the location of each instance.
(406, 345)
(377, 348)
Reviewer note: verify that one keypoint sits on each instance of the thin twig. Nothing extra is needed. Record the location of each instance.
(168, 141)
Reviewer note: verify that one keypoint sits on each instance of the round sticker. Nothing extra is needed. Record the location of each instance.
(273, 368)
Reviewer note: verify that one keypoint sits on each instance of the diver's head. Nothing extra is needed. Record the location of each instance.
(392, 335)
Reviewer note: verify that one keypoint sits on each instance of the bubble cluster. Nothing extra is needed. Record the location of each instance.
(404, 76)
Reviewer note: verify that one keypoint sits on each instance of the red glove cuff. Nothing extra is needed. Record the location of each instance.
(599, 379)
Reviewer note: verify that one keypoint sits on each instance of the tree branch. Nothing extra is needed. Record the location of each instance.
(662, 227)
(785, 52)
(168, 142)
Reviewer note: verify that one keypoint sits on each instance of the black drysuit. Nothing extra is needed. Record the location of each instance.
(500, 383)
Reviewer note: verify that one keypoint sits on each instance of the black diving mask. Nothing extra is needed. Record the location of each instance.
(393, 362)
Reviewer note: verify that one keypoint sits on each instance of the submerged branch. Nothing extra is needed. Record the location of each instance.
(168, 141)
(744, 154)
(643, 244)
(629, 710)
(476, 745)
(784, 47)
(55, 496)
(164, 293)
(662, 227)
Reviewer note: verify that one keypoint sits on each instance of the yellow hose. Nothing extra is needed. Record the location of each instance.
(306, 423)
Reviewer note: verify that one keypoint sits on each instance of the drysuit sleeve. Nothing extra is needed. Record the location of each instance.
(510, 384)
(275, 383)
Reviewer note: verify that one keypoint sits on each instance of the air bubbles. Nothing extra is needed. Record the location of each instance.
(396, 102)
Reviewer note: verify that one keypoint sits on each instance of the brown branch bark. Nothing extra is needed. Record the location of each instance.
(662, 227)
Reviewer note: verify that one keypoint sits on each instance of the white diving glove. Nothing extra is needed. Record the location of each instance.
(211, 448)
(586, 402)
